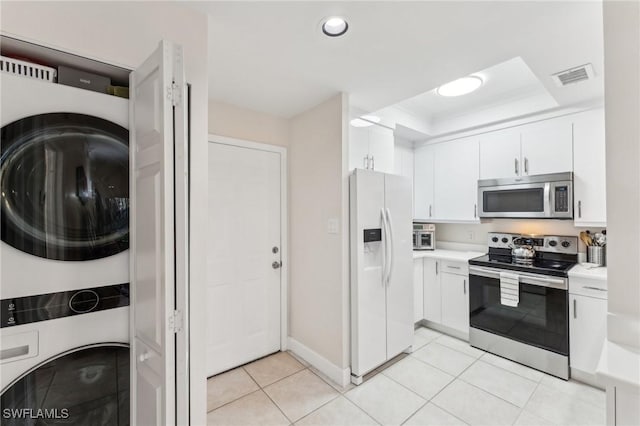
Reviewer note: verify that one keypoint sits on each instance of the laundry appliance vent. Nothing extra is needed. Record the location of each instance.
(26, 69)
(573, 75)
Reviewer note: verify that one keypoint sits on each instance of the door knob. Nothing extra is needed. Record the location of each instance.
(144, 356)
(276, 265)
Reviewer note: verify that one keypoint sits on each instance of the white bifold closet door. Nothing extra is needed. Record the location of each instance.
(243, 255)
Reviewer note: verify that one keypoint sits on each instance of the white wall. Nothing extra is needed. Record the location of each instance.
(622, 112)
(241, 123)
(319, 282)
(125, 33)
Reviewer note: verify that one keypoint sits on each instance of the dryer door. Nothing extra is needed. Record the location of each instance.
(65, 186)
(87, 386)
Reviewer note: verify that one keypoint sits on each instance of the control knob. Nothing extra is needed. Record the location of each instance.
(553, 243)
(505, 240)
(565, 244)
(494, 239)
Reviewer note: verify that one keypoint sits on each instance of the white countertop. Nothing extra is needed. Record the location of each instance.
(580, 271)
(619, 364)
(458, 255)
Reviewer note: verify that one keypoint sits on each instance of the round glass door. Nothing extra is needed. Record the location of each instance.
(89, 386)
(64, 179)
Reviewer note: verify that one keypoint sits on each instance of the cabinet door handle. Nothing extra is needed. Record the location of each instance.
(429, 210)
(575, 308)
(475, 211)
(373, 162)
(594, 288)
(365, 161)
(464, 286)
(453, 267)
(526, 165)
(580, 208)
(436, 268)
(516, 166)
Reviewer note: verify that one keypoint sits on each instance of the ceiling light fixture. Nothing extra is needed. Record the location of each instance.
(459, 87)
(334, 26)
(365, 121)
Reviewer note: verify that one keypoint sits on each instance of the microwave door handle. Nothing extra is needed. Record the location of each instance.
(547, 199)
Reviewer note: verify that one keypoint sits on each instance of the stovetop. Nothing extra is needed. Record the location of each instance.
(543, 266)
(554, 255)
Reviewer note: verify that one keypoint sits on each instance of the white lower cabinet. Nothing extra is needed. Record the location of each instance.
(455, 301)
(432, 300)
(587, 326)
(445, 294)
(418, 290)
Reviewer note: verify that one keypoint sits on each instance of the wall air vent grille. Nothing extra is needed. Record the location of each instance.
(574, 75)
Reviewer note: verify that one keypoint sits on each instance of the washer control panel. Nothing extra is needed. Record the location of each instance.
(43, 307)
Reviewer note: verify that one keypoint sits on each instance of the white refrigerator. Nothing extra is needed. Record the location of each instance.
(381, 222)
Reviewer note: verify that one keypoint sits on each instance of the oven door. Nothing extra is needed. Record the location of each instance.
(541, 318)
(425, 239)
(528, 200)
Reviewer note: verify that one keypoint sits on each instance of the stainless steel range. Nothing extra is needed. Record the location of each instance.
(518, 300)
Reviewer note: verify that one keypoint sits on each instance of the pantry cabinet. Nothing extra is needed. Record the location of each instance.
(589, 173)
(372, 148)
(456, 181)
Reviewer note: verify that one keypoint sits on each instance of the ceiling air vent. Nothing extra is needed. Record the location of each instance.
(573, 75)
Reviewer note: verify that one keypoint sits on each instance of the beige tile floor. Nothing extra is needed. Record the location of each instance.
(443, 382)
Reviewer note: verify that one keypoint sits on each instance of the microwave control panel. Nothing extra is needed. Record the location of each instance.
(562, 199)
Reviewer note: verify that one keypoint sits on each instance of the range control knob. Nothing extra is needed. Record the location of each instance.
(565, 244)
(505, 240)
(553, 243)
(494, 239)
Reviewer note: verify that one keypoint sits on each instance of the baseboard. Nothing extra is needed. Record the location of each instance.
(588, 378)
(341, 376)
(443, 329)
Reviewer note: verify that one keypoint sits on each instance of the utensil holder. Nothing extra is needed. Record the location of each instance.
(597, 255)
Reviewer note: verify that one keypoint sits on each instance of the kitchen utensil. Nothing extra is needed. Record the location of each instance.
(586, 239)
(600, 239)
(523, 251)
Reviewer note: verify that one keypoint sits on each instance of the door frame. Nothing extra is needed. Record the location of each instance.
(284, 221)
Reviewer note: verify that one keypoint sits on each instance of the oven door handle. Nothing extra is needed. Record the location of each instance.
(524, 277)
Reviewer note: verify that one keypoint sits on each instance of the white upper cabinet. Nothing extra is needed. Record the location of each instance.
(500, 154)
(372, 148)
(456, 173)
(358, 147)
(423, 184)
(381, 148)
(547, 147)
(589, 179)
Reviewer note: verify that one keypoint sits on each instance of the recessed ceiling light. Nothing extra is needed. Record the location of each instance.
(334, 26)
(365, 121)
(460, 87)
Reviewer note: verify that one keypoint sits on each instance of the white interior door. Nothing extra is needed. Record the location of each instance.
(152, 237)
(243, 255)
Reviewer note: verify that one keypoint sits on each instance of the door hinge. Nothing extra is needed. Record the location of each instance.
(174, 94)
(175, 321)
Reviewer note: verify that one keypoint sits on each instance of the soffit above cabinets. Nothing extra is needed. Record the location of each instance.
(272, 56)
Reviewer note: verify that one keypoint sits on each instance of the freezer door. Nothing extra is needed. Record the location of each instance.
(399, 289)
(368, 319)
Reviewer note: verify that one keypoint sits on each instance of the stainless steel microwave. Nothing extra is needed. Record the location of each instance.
(424, 236)
(547, 196)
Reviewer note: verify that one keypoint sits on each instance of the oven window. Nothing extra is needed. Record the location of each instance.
(540, 319)
(65, 186)
(425, 240)
(513, 200)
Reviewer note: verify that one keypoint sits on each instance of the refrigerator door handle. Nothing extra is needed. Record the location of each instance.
(391, 255)
(385, 259)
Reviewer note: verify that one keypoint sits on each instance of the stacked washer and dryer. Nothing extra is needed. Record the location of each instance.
(64, 289)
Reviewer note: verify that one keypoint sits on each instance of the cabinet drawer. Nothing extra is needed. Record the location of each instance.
(588, 287)
(454, 267)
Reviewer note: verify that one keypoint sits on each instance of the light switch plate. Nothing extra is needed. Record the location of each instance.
(332, 226)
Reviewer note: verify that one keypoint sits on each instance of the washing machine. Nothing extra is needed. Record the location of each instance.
(64, 358)
(64, 267)
(64, 181)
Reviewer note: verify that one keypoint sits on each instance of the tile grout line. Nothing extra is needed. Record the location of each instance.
(271, 399)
